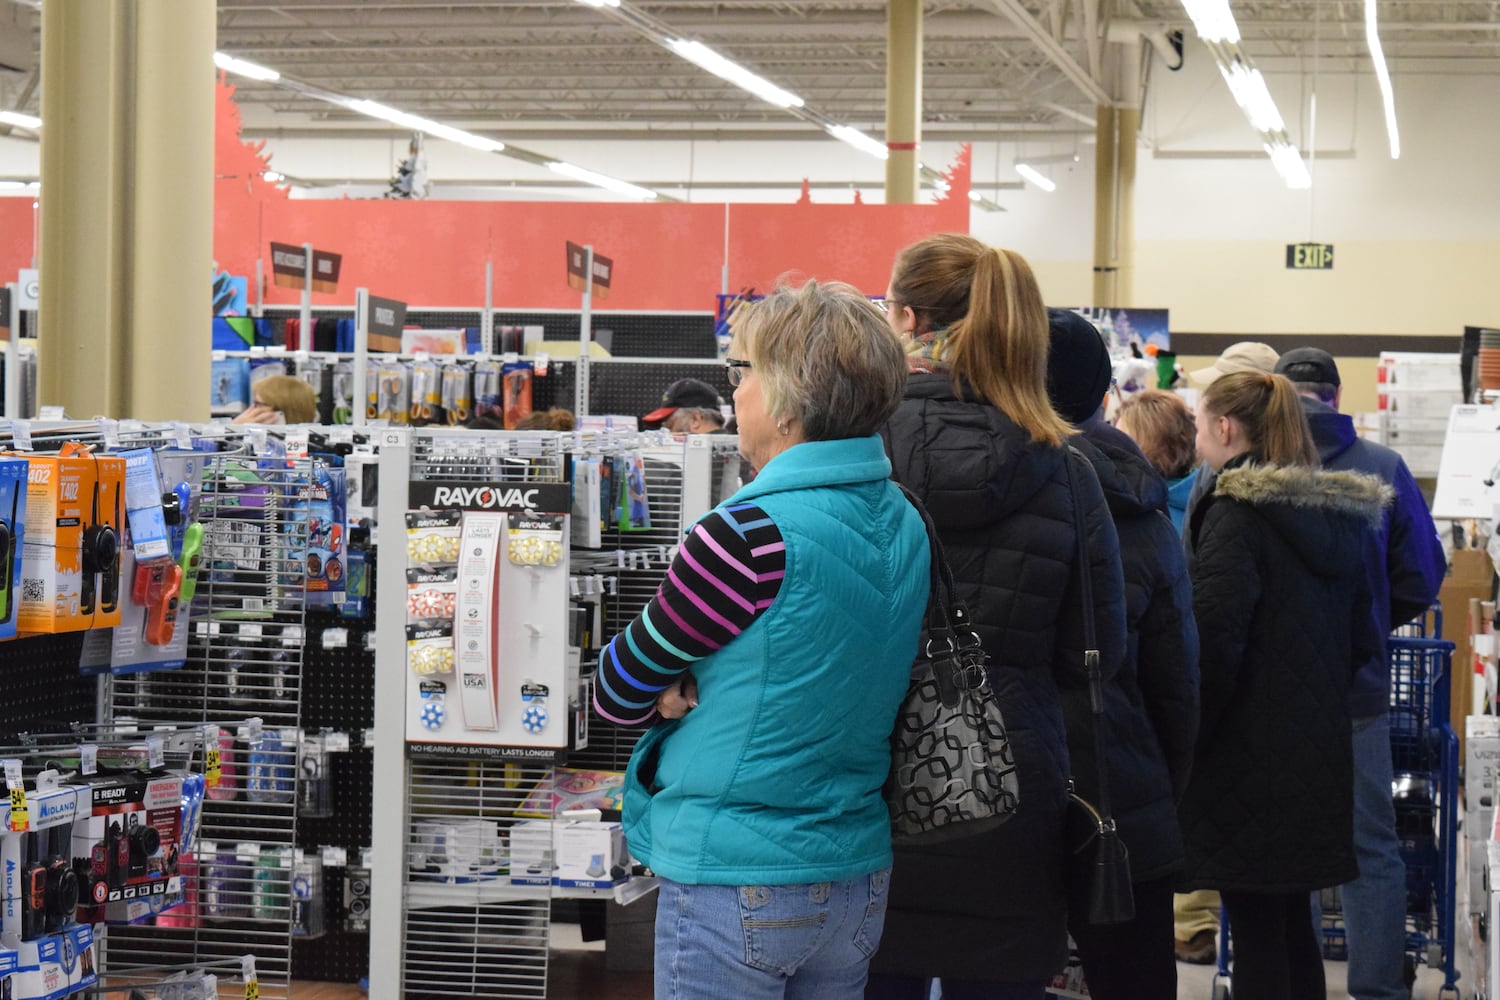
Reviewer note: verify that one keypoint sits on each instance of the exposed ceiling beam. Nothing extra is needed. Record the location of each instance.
(1054, 51)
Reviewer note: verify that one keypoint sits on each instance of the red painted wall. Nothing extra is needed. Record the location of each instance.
(432, 253)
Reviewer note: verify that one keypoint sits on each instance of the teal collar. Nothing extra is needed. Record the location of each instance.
(819, 463)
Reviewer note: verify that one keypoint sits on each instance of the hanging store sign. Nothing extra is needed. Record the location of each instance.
(384, 317)
(1309, 256)
(604, 268)
(289, 267)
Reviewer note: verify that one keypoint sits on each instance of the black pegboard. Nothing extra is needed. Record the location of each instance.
(631, 335)
(41, 690)
(338, 694)
(633, 389)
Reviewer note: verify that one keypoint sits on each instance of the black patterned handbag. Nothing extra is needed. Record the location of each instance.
(952, 771)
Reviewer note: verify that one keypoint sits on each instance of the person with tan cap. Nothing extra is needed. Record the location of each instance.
(1196, 914)
(1245, 356)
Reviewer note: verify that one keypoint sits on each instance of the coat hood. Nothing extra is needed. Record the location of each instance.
(1131, 486)
(1333, 432)
(964, 486)
(1314, 510)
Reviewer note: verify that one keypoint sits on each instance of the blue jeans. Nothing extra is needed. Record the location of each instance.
(768, 941)
(1375, 903)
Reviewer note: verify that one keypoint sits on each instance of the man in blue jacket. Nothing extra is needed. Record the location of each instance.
(1406, 570)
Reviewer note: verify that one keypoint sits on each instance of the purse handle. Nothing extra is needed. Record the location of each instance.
(1090, 638)
(945, 613)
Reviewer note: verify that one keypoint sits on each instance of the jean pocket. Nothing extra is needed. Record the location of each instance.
(782, 925)
(867, 937)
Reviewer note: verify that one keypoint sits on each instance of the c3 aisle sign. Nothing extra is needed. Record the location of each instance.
(1309, 256)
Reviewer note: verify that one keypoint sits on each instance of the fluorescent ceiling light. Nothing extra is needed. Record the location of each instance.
(600, 180)
(242, 67)
(1383, 76)
(19, 185)
(1250, 93)
(427, 125)
(1213, 20)
(975, 196)
(601, 3)
(726, 69)
(1288, 163)
(20, 120)
(1035, 177)
(860, 141)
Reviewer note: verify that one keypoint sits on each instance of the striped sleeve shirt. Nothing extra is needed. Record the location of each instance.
(726, 574)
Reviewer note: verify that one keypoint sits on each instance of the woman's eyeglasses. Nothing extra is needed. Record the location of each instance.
(736, 370)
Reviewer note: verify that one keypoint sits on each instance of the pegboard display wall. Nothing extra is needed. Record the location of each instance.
(633, 388)
(629, 334)
(338, 695)
(43, 691)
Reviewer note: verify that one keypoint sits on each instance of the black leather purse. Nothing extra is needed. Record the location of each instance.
(1099, 867)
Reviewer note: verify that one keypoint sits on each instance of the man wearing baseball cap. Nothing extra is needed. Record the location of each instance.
(1245, 356)
(688, 407)
(1406, 569)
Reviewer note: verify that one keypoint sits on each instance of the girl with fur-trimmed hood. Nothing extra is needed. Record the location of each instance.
(1276, 553)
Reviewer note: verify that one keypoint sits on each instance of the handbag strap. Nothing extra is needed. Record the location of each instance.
(945, 613)
(1090, 638)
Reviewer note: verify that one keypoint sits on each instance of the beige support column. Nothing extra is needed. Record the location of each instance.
(84, 190)
(171, 250)
(903, 99)
(1127, 131)
(127, 208)
(1105, 176)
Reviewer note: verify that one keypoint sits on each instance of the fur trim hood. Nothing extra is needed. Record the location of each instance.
(1351, 493)
(1327, 518)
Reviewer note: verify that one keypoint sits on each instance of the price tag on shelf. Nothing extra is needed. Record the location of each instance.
(336, 742)
(335, 857)
(253, 729)
(213, 766)
(182, 435)
(156, 755)
(20, 434)
(296, 443)
(252, 981)
(20, 818)
(88, 759)
(110, 429)
(335, 638)
(51, 413)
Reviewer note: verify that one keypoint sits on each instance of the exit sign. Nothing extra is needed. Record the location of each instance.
(1309, 256)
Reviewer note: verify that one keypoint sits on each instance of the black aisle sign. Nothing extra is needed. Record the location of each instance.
(385, 317)
(552, 498)
(1309, 256)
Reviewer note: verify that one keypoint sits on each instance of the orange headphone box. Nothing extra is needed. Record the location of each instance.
(70, 561)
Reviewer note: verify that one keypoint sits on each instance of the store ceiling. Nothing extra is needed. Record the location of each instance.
(993, 68)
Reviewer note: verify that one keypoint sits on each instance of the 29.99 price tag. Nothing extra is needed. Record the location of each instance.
(212, 767)
(252, 989)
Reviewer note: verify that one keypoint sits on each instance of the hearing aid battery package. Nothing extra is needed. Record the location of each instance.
(13, 495)
(132, 839)
(71, 551)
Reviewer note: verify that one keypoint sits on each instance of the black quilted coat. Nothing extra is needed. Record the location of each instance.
(993, 907)
(1151, 708)
(1283, 608)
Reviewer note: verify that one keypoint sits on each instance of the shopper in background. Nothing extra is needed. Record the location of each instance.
(1162, 426)
(1406, 569)
(688, 407)
(1245, 356)
(555, 419)
(1151, 703)
(280, 399)
(977, 439)
(1277, 553)
(796, 605)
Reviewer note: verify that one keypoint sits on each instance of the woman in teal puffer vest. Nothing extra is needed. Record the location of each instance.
(777, 651)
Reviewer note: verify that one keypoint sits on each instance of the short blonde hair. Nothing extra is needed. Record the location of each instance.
(292, 396)
(1162, 425)
(826, 357)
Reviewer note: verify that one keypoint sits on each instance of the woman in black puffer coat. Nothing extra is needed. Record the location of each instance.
(977, 440)
(1151, 705)
(1283, 605)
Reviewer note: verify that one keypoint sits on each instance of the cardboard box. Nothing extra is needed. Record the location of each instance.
(1469, 577)
(1417, 370)
(588, 853)
(132, 839)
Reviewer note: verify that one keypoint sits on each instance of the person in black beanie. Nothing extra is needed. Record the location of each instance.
(1151, 702)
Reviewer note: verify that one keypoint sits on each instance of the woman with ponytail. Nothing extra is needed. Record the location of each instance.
(977, 439)
(1277, 556)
